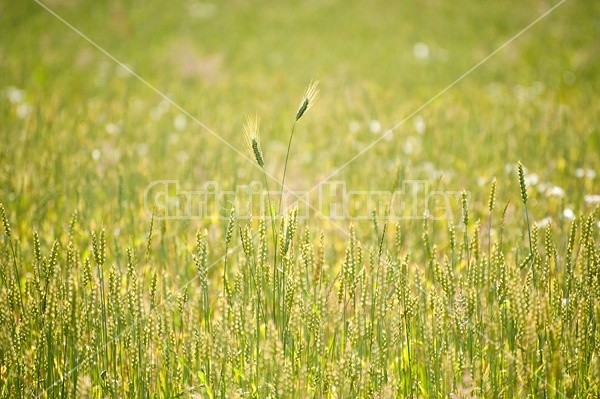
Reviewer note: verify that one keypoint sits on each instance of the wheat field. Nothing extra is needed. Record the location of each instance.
(320, 199)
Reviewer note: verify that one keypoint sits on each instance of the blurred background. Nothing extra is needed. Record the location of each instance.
(80, 132)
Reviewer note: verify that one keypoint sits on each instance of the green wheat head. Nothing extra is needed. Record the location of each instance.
(310, 96)
(522, 184)
(252, 140)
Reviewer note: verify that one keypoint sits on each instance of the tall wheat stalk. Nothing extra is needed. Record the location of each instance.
(310, 96)
(252, 143)
(523, 187)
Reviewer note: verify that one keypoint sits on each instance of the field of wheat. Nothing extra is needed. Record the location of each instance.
(319, 199)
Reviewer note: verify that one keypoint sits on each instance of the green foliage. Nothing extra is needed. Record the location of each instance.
(101, 297)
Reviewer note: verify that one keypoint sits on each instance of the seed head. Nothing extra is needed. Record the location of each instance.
(522, 182)
(230, 225)
(252, 140)
(5, 221)
(465, 206)
(492, 201)
(310, 96)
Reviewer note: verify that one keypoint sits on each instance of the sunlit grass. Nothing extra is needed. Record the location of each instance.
(101, 298)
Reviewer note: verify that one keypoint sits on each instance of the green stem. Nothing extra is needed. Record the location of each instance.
(467, 250)
(530, 245)
(225, 271)
(17, 276)
(271, 212)
(287, 156)
(273, 233)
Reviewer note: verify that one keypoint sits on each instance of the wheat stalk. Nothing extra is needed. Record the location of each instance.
(310, 96)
